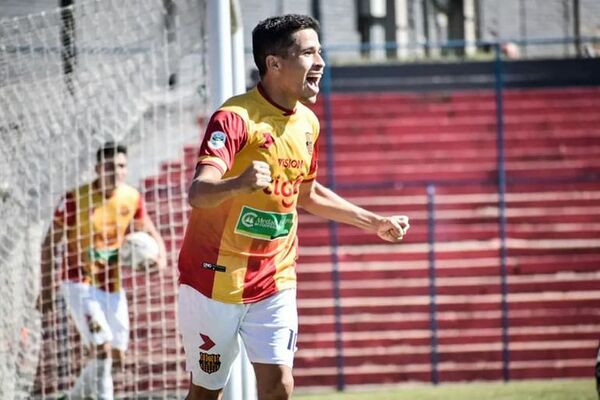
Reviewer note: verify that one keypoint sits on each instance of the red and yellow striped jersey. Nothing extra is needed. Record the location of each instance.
(245, 249)
(95, 227)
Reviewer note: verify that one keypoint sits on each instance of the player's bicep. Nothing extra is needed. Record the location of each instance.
(306, 193)
(207, 173)
(205, 184)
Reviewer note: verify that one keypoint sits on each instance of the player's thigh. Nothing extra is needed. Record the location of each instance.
(270, 329)
(209, 330)
(87, 313)
(115, 308)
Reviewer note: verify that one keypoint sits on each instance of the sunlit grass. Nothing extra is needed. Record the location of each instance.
(575, 389)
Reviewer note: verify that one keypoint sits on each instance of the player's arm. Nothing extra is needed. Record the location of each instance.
(209, 189)
(144, 223)
(226, 134)
(53, 237)
(318, 200)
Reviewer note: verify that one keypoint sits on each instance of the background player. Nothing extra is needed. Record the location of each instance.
(90, 224)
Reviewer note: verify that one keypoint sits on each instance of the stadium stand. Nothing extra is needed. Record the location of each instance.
(387, 147)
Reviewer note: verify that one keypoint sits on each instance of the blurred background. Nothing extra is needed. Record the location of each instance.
(477, 118)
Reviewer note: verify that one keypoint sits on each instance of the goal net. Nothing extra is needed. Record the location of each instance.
(70, 80)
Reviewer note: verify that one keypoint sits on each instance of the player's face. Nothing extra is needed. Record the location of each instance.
(302, 68)
(112, 171)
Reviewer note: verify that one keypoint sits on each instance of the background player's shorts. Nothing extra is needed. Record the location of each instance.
(100, 316)
(210, 330)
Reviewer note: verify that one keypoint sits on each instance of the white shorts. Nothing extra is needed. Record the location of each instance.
(210, 330)
(100, 317)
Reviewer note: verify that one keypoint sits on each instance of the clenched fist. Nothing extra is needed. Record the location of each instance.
(393, 229)
(256, 176)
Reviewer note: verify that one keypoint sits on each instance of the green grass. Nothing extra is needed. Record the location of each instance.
(575, 389)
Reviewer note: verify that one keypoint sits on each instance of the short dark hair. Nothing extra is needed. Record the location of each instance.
(110, 150)
(273, 36)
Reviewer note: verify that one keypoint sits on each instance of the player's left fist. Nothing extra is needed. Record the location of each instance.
(393, 229)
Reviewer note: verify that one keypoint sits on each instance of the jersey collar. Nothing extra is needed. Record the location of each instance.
(286, 112)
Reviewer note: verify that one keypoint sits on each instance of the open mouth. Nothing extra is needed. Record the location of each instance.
(313, 82)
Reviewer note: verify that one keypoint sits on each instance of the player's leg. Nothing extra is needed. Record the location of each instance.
(209, 330)
(199, 393)
(87, 313)
(274, 382)
(269, 331)
(117, 315)
(95, 379)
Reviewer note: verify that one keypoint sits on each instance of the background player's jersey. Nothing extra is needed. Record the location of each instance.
(245, 249)
(95, 227)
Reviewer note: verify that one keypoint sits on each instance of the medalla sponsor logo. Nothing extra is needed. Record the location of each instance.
(248, 219)
(264, 224)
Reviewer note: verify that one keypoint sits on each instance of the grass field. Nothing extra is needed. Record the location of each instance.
(575, 389)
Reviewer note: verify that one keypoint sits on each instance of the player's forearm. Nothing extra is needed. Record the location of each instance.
(211, 193)
(327, 204)
(152, 230)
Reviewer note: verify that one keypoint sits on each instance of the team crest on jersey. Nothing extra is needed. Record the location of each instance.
(309, 143)
(210, 363)
(124, 210)
(217, 140)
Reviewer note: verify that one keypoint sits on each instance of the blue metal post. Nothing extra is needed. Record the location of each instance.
(435, 379)
(333, 229)
(502, 212)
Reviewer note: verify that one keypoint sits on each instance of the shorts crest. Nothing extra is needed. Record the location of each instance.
(210, 363)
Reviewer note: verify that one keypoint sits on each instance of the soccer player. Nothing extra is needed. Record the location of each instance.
(90, 224)
(257, 164)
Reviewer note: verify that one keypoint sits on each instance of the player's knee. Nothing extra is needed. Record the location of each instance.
(118, 357)
(102, 351)
(200, 393)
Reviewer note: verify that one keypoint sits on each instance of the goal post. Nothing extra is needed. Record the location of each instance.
(71, 79)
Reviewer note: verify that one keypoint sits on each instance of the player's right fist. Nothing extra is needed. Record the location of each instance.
(256, 176)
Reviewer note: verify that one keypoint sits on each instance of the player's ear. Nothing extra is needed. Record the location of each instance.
(272, 62)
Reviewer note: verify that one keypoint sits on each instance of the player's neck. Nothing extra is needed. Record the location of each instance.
(276, 96)
(106, 192)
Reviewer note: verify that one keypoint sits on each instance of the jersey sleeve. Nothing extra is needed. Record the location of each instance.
(65, 213)
(314, 161)
(140, 211)
(225, 135)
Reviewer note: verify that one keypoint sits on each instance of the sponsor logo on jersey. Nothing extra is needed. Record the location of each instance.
(214, 267)
(264, 225)
(209, 363)
(290, 163)
(217, 140)
(105, 256)
(288, 189)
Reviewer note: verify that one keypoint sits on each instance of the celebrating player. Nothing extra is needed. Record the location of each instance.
(257, 163)
(91, 223)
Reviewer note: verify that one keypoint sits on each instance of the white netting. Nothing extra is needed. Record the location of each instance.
(70, 80)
